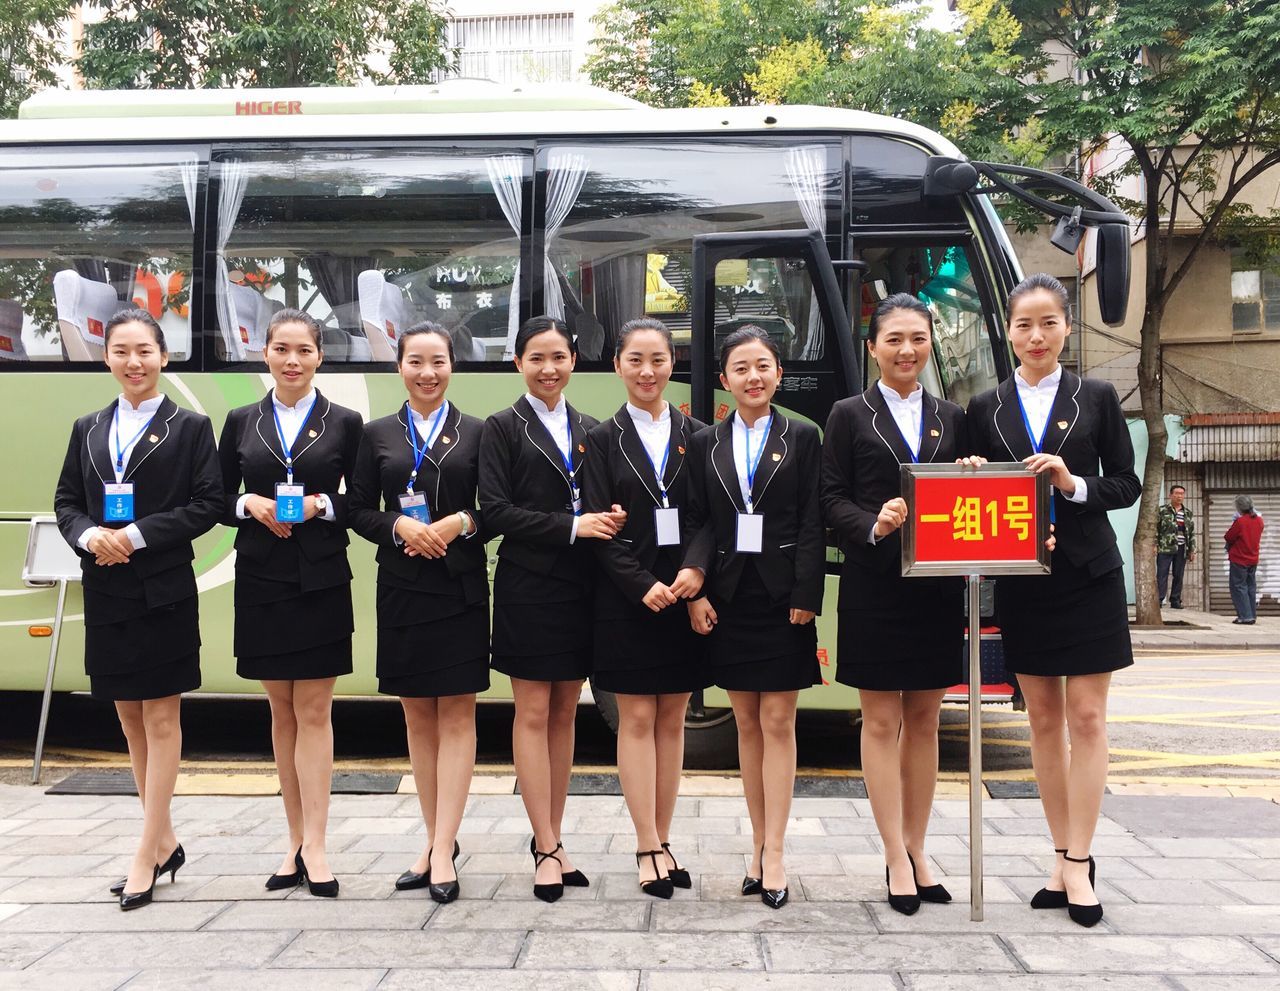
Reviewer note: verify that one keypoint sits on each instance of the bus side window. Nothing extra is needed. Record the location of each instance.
(87, 233)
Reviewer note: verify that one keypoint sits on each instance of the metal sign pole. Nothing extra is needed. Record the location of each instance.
(48, 682)
(975, 748)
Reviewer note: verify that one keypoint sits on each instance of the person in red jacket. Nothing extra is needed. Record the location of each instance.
(1244, 538)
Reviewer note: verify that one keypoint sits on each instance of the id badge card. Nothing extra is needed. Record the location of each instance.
(750, 533)
(117, 502)
(289, 508)
(666, 523)
(414, 505)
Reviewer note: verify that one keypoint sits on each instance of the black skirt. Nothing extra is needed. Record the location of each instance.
(756, 648)
(283, 634)
(648, 653)
(548, 640)
(446, 654)
(905, 635)
(132, 653)
(1068, 622)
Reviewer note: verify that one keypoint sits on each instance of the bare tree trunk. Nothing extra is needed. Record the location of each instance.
(1146, 594)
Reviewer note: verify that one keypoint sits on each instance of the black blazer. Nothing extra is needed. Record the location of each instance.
(1087, 430)
(619, 471)
(785, 491)
(862, 455)
(448, 476)
(178, 496)
(324, 453)
(525, 494)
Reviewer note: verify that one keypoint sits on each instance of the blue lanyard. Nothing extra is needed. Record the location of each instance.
(752, 465)
(433, 431)
(660, 472)
(288, 448)
(915, 455)
(115, 424)
(568, 458)
(1037, 445)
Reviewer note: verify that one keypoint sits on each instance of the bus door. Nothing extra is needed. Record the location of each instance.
(785, 283)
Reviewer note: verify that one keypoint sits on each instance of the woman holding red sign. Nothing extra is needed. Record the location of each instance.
(1066, 632)
(900, 640)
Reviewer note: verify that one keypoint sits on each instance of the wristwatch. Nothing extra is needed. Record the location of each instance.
(322, 504)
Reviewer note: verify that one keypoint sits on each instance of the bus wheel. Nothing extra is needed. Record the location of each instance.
(710, 735)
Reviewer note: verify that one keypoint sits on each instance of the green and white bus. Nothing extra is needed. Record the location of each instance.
(475, 205)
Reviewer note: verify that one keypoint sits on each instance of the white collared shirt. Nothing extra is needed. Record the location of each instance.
(748, 439)
(655, 435)
(126, 428)
(907, 413)
(1037, 400)
(556, 420)
(422, 424)
(292, 420)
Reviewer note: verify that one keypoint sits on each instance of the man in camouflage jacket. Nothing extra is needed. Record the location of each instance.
(1175, 545)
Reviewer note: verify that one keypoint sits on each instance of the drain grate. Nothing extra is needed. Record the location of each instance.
(95, 783)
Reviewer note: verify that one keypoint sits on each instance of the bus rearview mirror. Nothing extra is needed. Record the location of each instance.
(1113, 272)
(946, 176)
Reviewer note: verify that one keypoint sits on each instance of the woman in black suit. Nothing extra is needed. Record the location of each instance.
(645, 652)
(140, 482)
(758, 537)
(901, 639)
(1064, 633)
(414, 495)
(531, 461)
(293, 620)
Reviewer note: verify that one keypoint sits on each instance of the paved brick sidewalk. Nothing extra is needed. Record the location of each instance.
(1191, 888)
(1207, 631)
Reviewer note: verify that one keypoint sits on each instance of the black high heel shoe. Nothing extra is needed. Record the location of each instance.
(446, 891)
(410, 880)
(546, 892)
(773, 897)
(131, 900)
(279, 882)
(1084, 915)
(1051, 897)
(906, 904)
(659, 887)
(679, 876)
(935, 893)
(321, 889)
(754, 885)
(170, 867)
(571, 879)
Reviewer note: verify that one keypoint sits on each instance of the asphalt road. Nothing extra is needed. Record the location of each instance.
(1190, 715)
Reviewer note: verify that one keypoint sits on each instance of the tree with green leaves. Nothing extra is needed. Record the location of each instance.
(183, 44)
(1191, 89)
(29, 49)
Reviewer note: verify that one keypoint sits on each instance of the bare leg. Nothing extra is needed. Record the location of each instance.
(560, 734)
(312, 707)
(638, 771)
(882, 771)
(918, 751)
(533, 767)
(1087, 778)
(422, 729)
(669, 748)
(135, 735)
(746, 713)
(163, 728)
(778, 767)
(455, 763)
(284, 743)
(1047, 714)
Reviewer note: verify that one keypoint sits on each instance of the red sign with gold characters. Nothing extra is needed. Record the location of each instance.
(991, 520)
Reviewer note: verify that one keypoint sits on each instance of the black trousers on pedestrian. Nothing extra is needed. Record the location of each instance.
(1177, 561)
